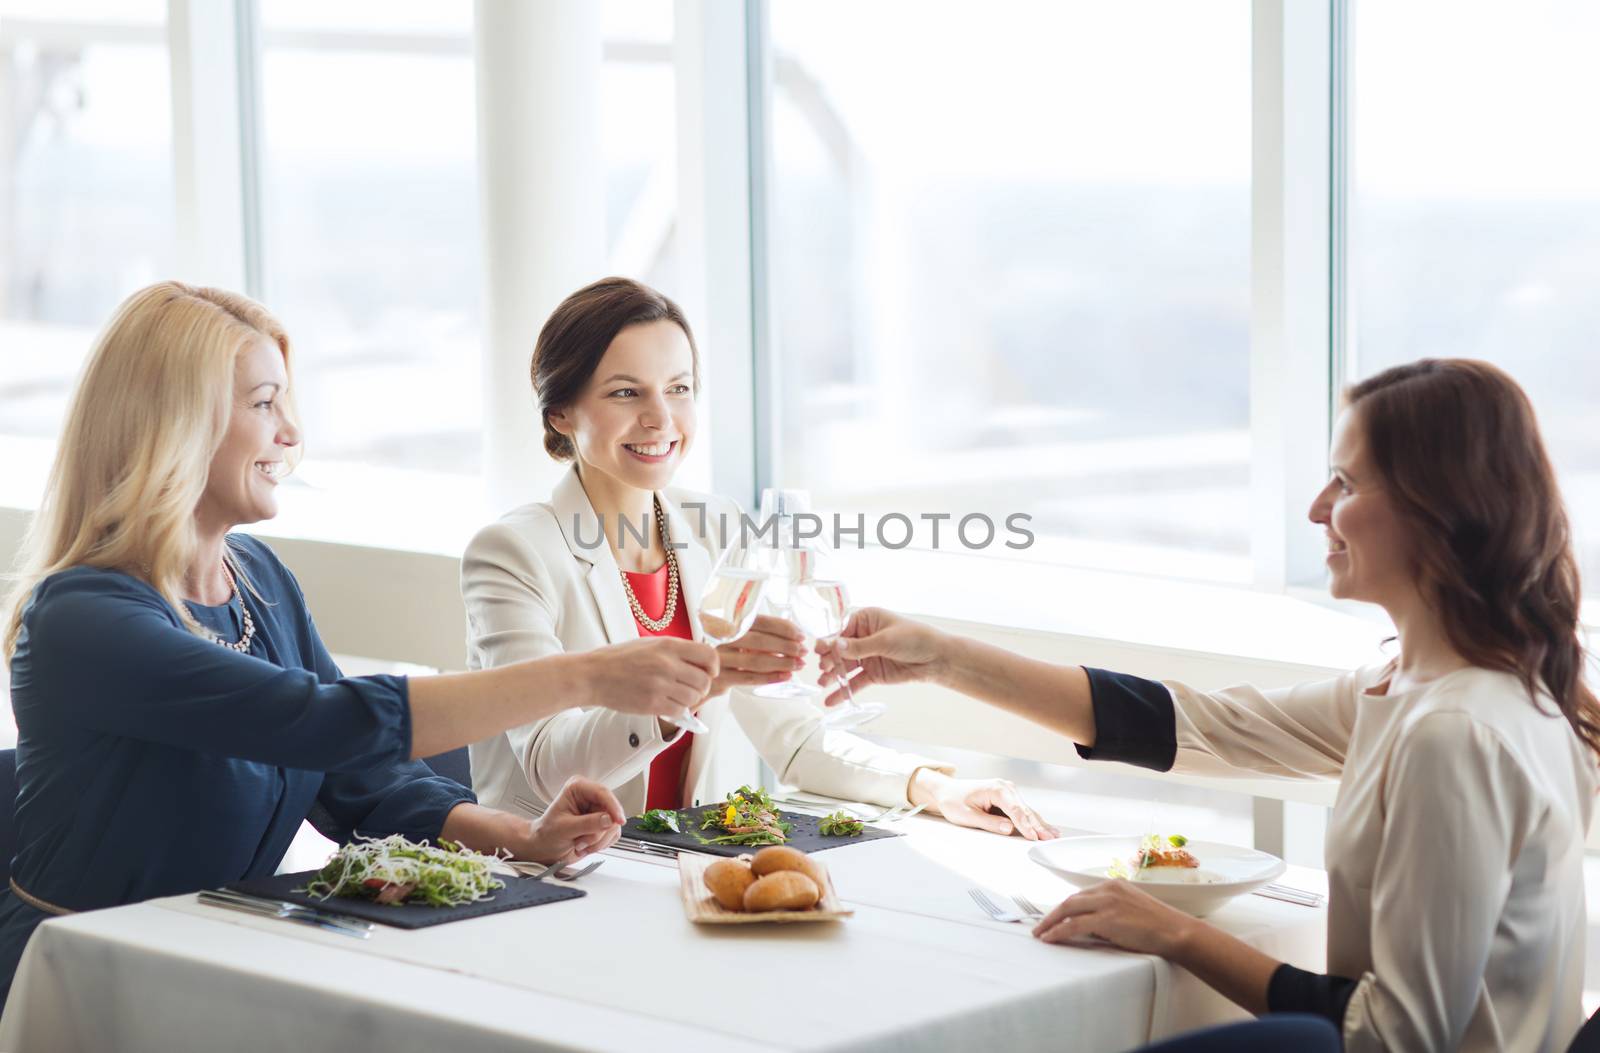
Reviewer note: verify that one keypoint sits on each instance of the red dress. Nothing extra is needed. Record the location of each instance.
(666, 771)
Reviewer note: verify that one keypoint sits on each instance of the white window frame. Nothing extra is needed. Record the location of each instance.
(403, 605)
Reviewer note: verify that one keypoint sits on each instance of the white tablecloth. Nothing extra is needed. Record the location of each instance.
(916, 968)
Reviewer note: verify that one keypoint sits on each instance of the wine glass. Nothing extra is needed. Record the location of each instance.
(728, 606)
(822, 608)
(789, 564)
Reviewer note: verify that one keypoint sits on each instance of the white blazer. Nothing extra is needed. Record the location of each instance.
(537, 583)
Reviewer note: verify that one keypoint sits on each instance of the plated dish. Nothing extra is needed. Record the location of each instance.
(746, 820)
(392, 871)
(1195, 876)
(776, 884)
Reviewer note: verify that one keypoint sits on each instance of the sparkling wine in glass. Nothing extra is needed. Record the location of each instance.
(789, 564)
(822, 608)
(728, 605)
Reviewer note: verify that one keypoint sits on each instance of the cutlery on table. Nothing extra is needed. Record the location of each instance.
(540, 871)
(996, 913)
(1289, 894)
(263, 908)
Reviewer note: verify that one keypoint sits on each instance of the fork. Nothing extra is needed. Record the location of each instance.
(1026, 905)
(1290, 894)
(554, 870)
(991, 908)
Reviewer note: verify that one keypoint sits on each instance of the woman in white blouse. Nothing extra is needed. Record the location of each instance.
(616, 373)
(1467, 764)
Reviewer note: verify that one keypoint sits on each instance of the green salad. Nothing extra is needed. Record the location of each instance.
(395, 871)
(747, 817)
(840, 824)
(660, 821)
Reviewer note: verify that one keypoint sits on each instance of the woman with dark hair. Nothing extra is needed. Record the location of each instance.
(1467, 763)
(617, 374)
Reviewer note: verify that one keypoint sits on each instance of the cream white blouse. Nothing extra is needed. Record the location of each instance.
(1454, 851)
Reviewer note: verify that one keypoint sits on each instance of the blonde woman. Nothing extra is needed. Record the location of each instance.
(177, 714)
(617, 373)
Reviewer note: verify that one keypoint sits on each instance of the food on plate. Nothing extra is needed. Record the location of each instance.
(840, 825)
(661, 821)
(728, 879)
(747, 817)
(780, 857)
(776, 878)
(1162, 859)
(783, 890)
(394, 871)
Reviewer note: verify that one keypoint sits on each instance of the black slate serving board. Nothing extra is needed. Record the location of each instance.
(519, 892)
(804, 836)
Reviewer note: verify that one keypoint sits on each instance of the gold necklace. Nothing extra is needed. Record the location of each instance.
(656, 625)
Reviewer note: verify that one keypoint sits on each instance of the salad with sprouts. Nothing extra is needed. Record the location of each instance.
(395, 871)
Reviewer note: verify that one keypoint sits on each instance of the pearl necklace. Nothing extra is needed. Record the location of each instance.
(656, 625)
(242, 645)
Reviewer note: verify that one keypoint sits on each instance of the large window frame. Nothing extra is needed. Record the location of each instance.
(400, 601)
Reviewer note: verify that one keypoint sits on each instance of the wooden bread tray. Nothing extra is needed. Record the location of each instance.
(702, 909)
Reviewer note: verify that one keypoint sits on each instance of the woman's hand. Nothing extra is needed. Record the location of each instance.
(584, 818)
(886, 648)
(769, 653)
(659, 677)
(985, 804)
(1122, 914)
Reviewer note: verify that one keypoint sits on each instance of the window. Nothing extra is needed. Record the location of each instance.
(1014, 275)
(370, 226)
(86, 188)
(1476, 209)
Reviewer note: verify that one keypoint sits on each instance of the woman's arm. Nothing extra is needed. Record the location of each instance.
(111, 652)
(879, 647)
(651, 678)
(1131, 918)
(1293, 732)
(584, 818)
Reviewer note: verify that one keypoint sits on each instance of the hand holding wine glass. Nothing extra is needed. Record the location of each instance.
(728, 606)
(822, 607)
(772, 651)
(884, 647)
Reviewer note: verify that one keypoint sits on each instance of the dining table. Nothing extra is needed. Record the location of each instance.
(917, 966)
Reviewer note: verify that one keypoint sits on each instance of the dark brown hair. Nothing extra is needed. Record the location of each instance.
(1458, 448)
(575, 337)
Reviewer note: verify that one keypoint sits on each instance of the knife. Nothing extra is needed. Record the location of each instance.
(283, 908)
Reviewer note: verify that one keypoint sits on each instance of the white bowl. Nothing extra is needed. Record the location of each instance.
(1225, 871)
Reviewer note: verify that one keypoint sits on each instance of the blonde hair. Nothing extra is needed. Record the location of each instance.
(150, 411)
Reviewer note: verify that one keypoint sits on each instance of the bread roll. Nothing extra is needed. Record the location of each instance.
(784, 890)
(781, 857)
(728, 879)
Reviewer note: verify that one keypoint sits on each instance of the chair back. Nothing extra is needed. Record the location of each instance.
(452, 765)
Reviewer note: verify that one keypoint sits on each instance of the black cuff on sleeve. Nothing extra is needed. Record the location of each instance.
(1133, 721)
(1294, 990)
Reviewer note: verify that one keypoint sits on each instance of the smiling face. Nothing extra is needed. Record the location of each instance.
(242, 484)
(1368, 549)
(635, 419)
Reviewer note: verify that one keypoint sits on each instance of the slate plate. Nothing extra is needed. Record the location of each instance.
(519, 892)
(804, 836)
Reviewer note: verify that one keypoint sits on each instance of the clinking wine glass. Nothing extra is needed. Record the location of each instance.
(728, 606)
(789, 563)
(822, 608)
